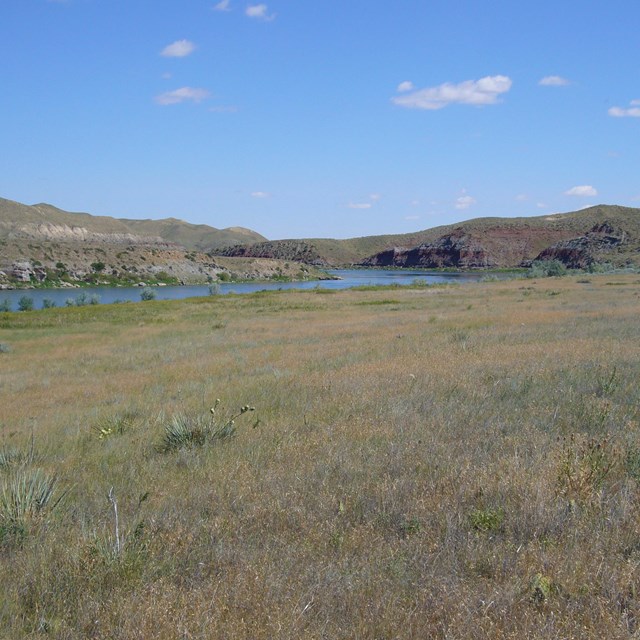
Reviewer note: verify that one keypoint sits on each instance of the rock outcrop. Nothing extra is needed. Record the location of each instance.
(583, 251)
(455, 250)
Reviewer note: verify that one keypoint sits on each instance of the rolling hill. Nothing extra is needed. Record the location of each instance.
(477, 243)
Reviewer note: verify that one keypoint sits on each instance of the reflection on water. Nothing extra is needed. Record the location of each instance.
(348, 278)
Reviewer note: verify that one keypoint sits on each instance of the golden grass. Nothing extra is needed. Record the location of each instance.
(407, 479)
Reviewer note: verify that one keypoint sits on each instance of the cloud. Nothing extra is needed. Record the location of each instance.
(222, 6)
(542, 205)
(407, 85)
(522, 197)
(178, 49)
(412, 217)
(374, 197)
(474, 92)
(260, 194)
(259, 11)
(182, 95)
(633, 111)
(360, 205)
(464, 202)
(553, 81)
(582, 191)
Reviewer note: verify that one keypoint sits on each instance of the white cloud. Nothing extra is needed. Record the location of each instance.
(375, 197)
(582, 191)
(474, 92)
(360, 205)
(222, 6)
(178, 49)
(412, 217)
(553, 81)
(541, 205)
(407, 85)
(259, 11)
(182, 95)
(633, 111)
(464, 202)
(522, 197)
(261, 194)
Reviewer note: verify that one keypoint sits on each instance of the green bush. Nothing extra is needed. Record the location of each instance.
(147, 294)
(5, 305)
(48, 303)
(25, 303)
(547, 269)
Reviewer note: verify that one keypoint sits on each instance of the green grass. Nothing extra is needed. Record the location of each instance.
(435, 462)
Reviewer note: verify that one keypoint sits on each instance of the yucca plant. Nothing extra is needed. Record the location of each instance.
(26, 494)
(195, 431)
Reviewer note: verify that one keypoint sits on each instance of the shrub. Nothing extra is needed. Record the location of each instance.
(5, 305)
(147, 294)
(214, 289)
(4, 348)
(23, 498)
(547, 269)
(48, 303)
(25, 303)
(185, 431)
(98, 266)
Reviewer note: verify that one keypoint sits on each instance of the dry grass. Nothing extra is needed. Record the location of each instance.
(452, 462)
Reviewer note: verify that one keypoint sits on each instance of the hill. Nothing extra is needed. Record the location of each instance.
(42, 245)
(46, 222)
(481, 242)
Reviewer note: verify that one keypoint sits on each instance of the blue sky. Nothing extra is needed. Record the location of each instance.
(320, 118)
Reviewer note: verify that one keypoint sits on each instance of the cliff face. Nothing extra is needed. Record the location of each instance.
(294, 250)
(457, 249)
(580, 252)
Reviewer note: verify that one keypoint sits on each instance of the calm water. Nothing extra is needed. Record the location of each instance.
(349, 278)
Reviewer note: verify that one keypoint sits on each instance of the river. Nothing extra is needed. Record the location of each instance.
(348, 278)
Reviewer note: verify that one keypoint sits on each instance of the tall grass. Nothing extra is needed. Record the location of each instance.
(451, 462)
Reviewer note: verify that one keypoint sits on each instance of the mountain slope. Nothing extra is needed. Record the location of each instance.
(480, 242)
(46, 222)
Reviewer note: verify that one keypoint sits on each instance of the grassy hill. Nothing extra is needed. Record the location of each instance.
(512, 240)
(46, 222)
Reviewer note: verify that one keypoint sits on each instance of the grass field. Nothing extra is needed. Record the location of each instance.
(428, 462)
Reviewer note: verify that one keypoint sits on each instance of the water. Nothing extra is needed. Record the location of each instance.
(349, 278)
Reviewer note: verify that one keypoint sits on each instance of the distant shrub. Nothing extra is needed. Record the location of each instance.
(48, 303)
(547, 269)
(4, 348)
(5, 305)
(98, 266)
(147, 294)
(214, 289)
(223, 276)
(82, 300)
(25, 303)
(94, 299)
(600, 267)
(70, 302)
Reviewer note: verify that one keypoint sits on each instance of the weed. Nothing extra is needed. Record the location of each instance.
(584, 465)
(115, 424)
(486, 520)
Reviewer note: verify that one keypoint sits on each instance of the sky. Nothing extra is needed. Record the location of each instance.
(320, 118)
